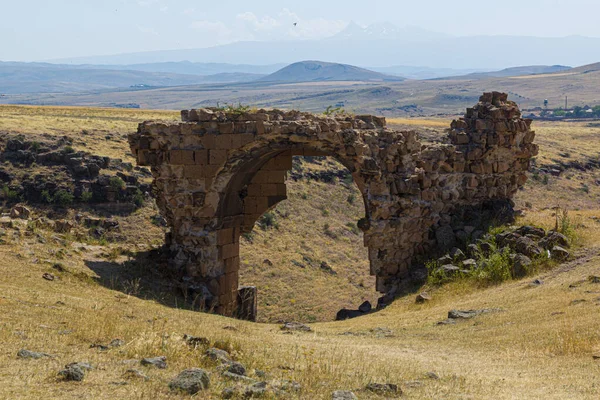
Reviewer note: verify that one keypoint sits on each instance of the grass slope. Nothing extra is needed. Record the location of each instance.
(539, 346)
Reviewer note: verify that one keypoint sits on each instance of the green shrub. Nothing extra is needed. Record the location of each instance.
(138, 198)
(267, 220)
(351, 198)
(495, 268)
(46, 197)
(86, 196)
(68, 149)
(9, 194)
(63, 198)
(116, 183)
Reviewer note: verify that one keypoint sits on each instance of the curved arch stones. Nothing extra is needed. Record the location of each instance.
(215, 173)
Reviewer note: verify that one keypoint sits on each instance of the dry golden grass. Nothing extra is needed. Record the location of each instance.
(539, 347)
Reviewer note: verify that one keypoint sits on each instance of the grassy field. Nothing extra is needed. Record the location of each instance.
(539, 346)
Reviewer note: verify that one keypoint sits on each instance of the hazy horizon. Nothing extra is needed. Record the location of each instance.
(71, 29)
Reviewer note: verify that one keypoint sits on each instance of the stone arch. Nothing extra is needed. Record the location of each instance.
(216, 173)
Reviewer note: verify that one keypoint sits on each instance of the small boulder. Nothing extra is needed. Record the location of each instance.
(343, 395)
(135, 374)
(49, 277)
(157, 362)
(558, 253)
(191, 381)
(423, 298)
(296, 327)
(384, 389)
(345, 314)
(521, 264)
(526, 246)
(236, 368)
(469, 264)
(457, 254)
(554, 238)
(218, 355)
(529, 230)
(593, 279)
(195, 341)
(72, 372)
(26, 354)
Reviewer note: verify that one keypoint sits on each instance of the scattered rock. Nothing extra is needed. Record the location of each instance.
(527, 246)
(26, 354)
(536, 282)
(554, 238)
(594, 279)
(469, 264)
(383, 389)
(559, 253)
(135, 374)
(116, 343)
(596, 356)
(268, 262)
(327, 268)
(432, 375)
(236, 368)
(157, 362)
(578, 301)
(345, 314)
(296, 327)
(20, 212)
(218, 355)
(195, 341)
(191, 381)
(531, 231)
(72, 373)
(521, 264)
(422, 298)
(457, 254)
(468, 314)
(237, 377)
(381, 331)
(49, 277)
(343, 395)
(286, 386)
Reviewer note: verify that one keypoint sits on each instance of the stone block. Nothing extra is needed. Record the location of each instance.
(217, 157)
(223, 142)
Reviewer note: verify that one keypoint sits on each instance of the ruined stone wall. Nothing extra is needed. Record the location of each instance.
(216, 173)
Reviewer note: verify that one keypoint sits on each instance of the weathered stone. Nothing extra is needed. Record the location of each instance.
(201, 169)
(218, 355)
(384, 388)
(296, 327)
(422, 298)
(158, 362)
(72, 373)
(469, 264)
(191, 381)
(521, 264)
(343, 395)
(195, 341)
(558, 253)
(32, 354)
(554, 238)
(526, 246)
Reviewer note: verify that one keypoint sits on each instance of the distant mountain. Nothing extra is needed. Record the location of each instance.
(378, 45)
(319, 71)
(48, 78)
(195, 68)
(411, 72)
(516, 71)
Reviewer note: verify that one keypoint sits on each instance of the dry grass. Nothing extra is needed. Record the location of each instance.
(539, 347)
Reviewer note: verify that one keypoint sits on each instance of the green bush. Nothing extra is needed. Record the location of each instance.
(267, 220)
(138, 198)
(86, 196)
(116, 183)
(46, 197)
(63, 198)
(495, 268)
(9, 194)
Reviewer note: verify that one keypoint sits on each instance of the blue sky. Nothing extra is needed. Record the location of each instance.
(42, 29)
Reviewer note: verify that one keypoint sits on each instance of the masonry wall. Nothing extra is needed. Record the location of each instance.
(216, 173)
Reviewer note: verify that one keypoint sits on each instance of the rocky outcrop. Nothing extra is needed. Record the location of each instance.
(216, 172)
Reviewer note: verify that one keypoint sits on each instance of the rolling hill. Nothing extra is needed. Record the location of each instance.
(517, 71)
(16, 77)
(319, 71)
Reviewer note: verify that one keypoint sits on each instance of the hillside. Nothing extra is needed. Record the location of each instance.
(541, 340)
(319, 71)
(517, 71)
(18, 78)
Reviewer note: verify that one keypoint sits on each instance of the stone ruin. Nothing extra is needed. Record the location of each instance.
(217, 172)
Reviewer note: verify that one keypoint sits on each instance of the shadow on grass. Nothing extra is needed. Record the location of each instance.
(144, 275)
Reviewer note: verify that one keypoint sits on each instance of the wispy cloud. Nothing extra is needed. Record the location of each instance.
(285, 25)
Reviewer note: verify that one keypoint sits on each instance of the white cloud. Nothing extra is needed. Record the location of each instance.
(285, 25)
(147, 31)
